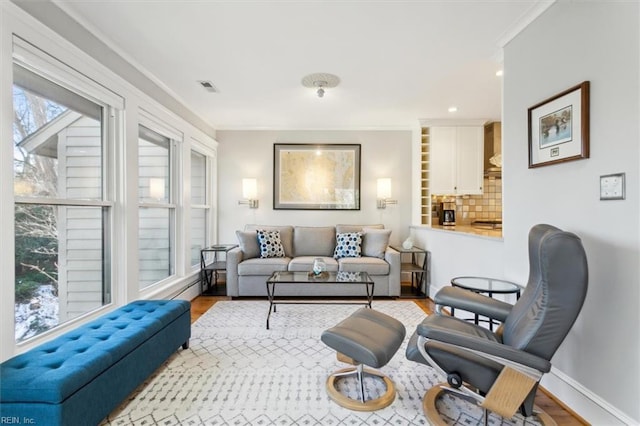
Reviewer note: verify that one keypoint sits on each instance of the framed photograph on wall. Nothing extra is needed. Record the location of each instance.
(316, 176)
(559, 127)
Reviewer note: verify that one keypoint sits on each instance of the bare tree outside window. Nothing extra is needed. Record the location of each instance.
(36, 236)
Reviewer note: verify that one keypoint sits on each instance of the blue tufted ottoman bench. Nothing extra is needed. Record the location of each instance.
(80, 377)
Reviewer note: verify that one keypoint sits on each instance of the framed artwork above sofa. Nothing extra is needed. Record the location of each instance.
(316, 176)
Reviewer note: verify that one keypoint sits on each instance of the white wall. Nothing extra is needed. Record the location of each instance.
(572, 42)
(455, 254)
(244, 154)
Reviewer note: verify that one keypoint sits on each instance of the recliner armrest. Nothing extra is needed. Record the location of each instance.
(484, 346)
(458, 298)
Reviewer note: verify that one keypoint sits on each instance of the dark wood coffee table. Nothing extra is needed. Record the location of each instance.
(326, 278)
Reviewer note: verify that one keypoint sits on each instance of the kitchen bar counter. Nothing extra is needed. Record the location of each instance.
(468, 229)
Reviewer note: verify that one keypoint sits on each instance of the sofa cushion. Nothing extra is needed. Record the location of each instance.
(370, 265)
(248, 241)
(375, 242)
(314, 240)
(348, 244)
(341, 229)
(270, 245)
(305, 263)
(286, 235)
(263, 266)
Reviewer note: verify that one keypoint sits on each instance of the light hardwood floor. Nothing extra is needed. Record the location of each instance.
(544, 400)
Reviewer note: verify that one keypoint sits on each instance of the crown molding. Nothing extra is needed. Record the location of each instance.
(536, 9)
(131, 61)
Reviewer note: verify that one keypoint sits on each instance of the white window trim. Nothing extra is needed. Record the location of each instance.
(45, 65)
(175, 197)
(59, 73)
(209, 157)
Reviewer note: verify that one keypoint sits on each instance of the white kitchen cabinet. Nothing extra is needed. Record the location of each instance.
(456, 159)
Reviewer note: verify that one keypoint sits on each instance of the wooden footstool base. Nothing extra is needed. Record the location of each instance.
(367, 337)
(353, 404)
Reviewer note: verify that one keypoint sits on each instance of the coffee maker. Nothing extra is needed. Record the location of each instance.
(447, 214)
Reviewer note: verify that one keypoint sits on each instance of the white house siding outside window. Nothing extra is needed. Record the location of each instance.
(200, 208)
(157, 212)
(62, 207)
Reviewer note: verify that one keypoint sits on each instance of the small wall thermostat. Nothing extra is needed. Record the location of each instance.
(612, 187)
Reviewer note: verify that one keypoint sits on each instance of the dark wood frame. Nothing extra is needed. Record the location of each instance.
(537, 110)
(278, 204)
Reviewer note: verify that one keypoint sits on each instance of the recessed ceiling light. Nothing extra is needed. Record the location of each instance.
(453, 109)
(499, 73)
(208, 86)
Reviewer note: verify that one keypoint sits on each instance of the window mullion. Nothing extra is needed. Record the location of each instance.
(62, 202)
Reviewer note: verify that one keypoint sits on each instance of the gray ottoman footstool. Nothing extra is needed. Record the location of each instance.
(367, 337)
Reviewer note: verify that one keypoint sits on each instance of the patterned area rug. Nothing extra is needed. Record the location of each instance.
(238, 373)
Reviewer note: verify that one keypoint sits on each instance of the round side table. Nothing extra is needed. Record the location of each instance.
(488, 286)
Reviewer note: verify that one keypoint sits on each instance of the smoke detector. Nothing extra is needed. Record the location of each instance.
(320, 81)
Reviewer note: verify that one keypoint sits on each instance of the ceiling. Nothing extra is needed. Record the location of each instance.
(398, 61)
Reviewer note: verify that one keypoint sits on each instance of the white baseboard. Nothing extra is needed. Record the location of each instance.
(189, 293)
(585, 403)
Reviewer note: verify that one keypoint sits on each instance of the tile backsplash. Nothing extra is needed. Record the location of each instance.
(474, 207)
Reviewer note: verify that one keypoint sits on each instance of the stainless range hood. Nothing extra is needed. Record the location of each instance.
(493, 150)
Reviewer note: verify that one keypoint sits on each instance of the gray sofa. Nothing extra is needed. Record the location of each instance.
(247, 272)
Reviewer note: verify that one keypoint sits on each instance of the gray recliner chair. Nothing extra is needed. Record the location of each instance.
(501, 370)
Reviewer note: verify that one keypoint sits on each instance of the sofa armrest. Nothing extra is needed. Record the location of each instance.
(393, 259)
(234, 257)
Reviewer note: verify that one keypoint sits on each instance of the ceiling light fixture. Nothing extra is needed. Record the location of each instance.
(453, 109)
(320, 81)
(499, 73)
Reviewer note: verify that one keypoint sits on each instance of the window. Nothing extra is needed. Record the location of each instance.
(62, 210)
(200, 208)
(157, 213)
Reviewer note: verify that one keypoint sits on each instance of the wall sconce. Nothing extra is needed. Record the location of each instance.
(249, 193)
(384, 193)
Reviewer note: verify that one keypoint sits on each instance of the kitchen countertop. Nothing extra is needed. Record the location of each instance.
(468, 229)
